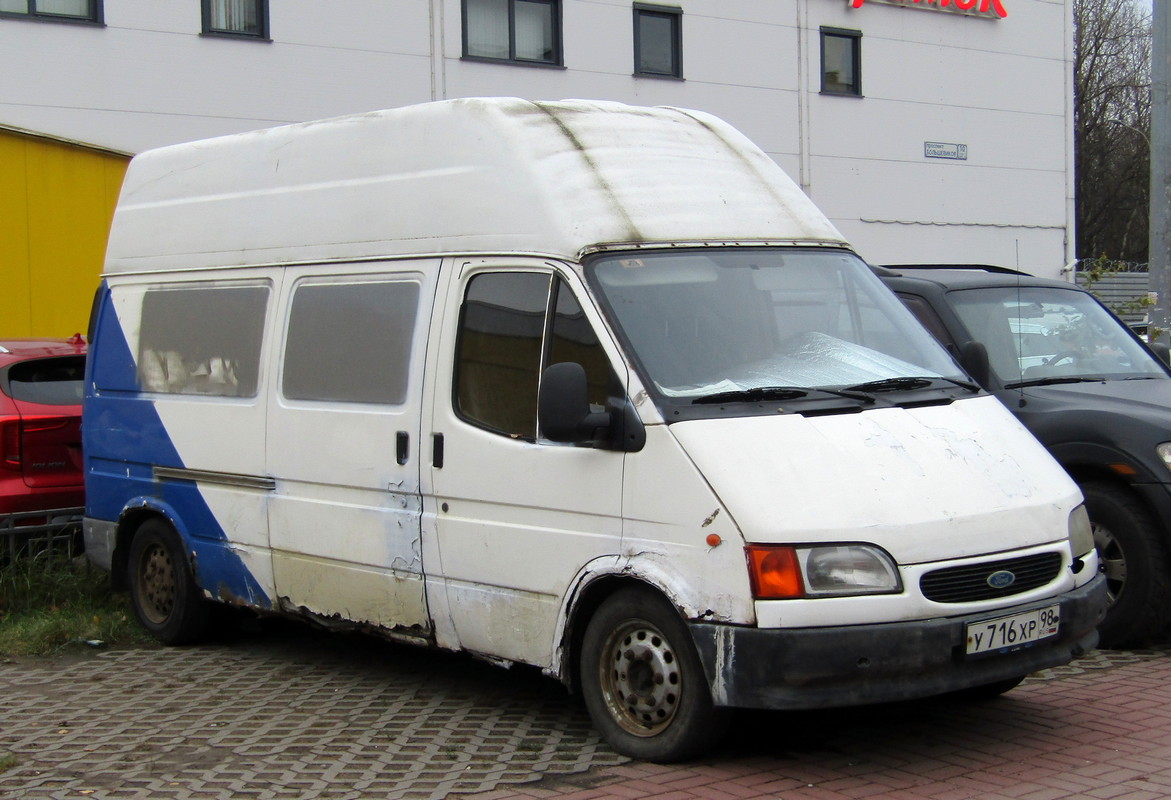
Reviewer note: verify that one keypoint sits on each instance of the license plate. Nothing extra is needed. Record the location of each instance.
(1011, 633)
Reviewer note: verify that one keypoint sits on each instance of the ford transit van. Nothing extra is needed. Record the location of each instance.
(579, 385)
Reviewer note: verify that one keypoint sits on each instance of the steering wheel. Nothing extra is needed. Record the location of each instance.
(1072, 355)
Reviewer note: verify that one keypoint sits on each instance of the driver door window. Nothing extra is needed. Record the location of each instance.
(512, 326)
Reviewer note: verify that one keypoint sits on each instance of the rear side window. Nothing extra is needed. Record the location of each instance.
(351, 342)
(203, 341)
(48, 381)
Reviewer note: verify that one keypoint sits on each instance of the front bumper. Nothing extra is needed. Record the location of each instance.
(857, 665)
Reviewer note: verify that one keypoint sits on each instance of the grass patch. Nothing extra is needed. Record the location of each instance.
(49, 603)
(7, 762)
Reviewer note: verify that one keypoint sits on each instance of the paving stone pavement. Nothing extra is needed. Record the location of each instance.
(289, 712)
(297, 714)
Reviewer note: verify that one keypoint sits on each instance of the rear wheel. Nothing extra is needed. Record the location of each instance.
(162, 589)
(1132, 557)
(643, 683)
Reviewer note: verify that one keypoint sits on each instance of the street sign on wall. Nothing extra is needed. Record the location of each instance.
(955, 152)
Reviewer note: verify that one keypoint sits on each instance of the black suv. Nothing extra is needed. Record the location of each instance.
(1091, 391)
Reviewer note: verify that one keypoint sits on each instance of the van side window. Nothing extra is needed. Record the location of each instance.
(507, 337)
(573, 339)
(502, 326)
(350, 342)
(202, 340)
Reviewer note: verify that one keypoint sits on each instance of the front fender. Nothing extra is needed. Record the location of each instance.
(599, 578)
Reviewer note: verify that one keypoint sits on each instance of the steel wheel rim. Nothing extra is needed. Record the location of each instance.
(156, 584)
(1111, 561)
(641, 678)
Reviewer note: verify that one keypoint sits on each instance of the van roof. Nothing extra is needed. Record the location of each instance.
(483, 175)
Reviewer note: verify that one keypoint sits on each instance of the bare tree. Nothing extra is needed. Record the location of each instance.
(1112, 128)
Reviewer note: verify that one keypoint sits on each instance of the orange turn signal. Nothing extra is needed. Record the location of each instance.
(774, 572)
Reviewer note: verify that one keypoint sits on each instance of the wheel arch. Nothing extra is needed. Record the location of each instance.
(1159, 512)
(592, 588)
(133, 516)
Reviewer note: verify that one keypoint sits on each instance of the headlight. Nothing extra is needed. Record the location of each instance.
(1164, 451)
(782, 572)
(1081, 535)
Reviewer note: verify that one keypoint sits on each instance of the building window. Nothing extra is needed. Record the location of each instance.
(248, 18)
(524, 31)
(658, 40)
(72, 10)
(841, 62)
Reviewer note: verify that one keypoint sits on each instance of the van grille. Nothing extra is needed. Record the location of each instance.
(970, 583)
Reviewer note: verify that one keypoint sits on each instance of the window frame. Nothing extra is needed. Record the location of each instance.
(262, 14)
(855, 39)
(675, 15)
(555, 21)
(96, 15)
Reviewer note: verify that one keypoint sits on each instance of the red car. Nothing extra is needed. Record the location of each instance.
(40, 435)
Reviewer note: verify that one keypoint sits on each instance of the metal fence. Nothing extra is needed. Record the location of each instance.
(1122, 290)
(31, 533)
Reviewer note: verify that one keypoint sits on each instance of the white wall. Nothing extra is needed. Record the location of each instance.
(1000, 86)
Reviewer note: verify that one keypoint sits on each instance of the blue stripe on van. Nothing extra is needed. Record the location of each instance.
(123, 438)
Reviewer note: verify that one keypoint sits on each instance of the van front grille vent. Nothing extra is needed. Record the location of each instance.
(990, 579)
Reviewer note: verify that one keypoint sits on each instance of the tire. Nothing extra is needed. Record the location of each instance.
(162, 589)
(642, 681)
(1132, 556)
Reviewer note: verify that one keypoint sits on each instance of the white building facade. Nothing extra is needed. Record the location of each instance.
(938, 130)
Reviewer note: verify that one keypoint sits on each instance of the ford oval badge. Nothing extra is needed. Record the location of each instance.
(1001, 579)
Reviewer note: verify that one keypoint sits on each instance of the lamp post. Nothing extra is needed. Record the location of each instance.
(1160, 144)
(1139, 131)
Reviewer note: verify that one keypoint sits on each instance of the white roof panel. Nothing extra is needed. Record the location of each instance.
(487, 175)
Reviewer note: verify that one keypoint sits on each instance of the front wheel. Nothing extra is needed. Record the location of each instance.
(162, 589)
(1132, 557)
(643, 683)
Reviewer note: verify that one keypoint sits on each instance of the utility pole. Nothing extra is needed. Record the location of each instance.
(1160, 141)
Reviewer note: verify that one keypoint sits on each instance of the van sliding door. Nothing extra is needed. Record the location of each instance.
(343, 445)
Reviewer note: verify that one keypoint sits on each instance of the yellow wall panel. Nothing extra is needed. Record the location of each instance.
(56, 203)
(16, 313)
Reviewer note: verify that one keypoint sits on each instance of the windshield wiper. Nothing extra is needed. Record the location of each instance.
(892, 385)
(762, 393)
(1053, 381)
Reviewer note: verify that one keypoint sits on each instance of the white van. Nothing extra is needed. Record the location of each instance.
(579, 385)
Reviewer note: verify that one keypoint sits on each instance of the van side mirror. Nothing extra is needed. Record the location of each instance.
(974, 360)
(564, 415)
(563, 406)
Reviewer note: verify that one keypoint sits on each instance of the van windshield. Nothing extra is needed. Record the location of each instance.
(723, 322)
